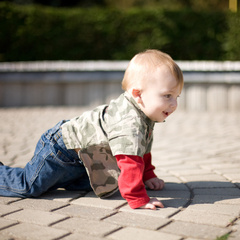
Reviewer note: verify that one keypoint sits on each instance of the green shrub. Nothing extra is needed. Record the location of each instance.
(195, 35)
(231, 44)
(31, 33)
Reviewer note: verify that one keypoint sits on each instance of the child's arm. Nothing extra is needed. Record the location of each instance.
(131, 183)
(149, 168)
(149, 177)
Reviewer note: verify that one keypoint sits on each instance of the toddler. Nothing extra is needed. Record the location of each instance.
(108, 148)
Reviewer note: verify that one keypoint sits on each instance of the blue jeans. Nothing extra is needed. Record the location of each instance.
(52, 166)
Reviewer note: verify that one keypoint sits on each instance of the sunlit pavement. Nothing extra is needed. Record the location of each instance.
(196, 154)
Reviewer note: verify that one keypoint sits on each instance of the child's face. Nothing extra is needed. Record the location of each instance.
(159, 98)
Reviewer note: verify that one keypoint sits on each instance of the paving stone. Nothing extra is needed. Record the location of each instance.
(96, 228)
(86, 212)
(172, 202)
(136, 220)
(172, 199)
(217, 191)
(236, 225)
(210, 184)
(202, 217)
(191, 238)
(7, 200)
(234, 236)
(5, 236)
(171, 179)
(36, 217)
(22, 160)
(92, 200)
(160, 173)
(237, 183)
(6, 209)
(31, 231)
(141, 234)
(233, 176)
(7, 159)
(195, 230)
(176, 187)
(205, 178)
(4, 223)
(226, 170)
(79, 236)
(227, 209)
(217, 199)
(165, 212)
(181, 167)
(39, 204)
(62, 195)
(222, 166)
(186, 172)
(173, 194)
(167, 163)
(202, 162)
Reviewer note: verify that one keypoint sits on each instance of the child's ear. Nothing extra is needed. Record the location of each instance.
(137, 94)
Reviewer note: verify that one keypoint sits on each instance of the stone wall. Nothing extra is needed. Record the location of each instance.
(209, 86)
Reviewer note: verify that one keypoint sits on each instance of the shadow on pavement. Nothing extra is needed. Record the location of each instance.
(199, 192)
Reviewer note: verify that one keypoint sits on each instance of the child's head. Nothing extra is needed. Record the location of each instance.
(155, 81)
(144, 64)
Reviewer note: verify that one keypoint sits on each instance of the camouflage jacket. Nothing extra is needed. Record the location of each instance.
(108, 130)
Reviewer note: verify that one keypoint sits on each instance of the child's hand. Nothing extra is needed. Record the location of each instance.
(152, 204)
(155, 183)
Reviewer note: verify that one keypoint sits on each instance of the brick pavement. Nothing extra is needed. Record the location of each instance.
(197, 154)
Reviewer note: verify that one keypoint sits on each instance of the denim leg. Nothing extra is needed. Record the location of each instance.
(52, 166)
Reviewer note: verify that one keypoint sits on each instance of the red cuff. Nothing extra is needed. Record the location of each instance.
(139, 202)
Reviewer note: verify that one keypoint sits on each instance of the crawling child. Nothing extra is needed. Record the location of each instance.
(108, 148)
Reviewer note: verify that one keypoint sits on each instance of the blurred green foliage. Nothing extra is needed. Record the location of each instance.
(231, 45)
(166, 4)
(29, 33)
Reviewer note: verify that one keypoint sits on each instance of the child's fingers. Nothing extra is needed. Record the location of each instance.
(158, 204)
(157, 185)
(152, 207)
(150, 185)
(149, 206)
(161, 184)
(153, 204)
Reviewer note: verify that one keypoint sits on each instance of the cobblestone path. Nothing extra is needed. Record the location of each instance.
(197, 154)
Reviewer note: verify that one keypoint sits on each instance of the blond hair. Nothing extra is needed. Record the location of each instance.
(145, 63)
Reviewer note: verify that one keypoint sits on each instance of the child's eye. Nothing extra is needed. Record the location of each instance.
(168, 95)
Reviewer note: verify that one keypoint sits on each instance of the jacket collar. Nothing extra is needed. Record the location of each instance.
(142, 114)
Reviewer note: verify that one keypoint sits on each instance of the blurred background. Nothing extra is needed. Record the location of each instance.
(203, 36)
(118, 29)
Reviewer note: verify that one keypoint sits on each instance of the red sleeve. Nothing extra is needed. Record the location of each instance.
(148, 171)
(130, 181)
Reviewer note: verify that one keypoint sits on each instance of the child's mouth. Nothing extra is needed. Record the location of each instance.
(166, 114)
